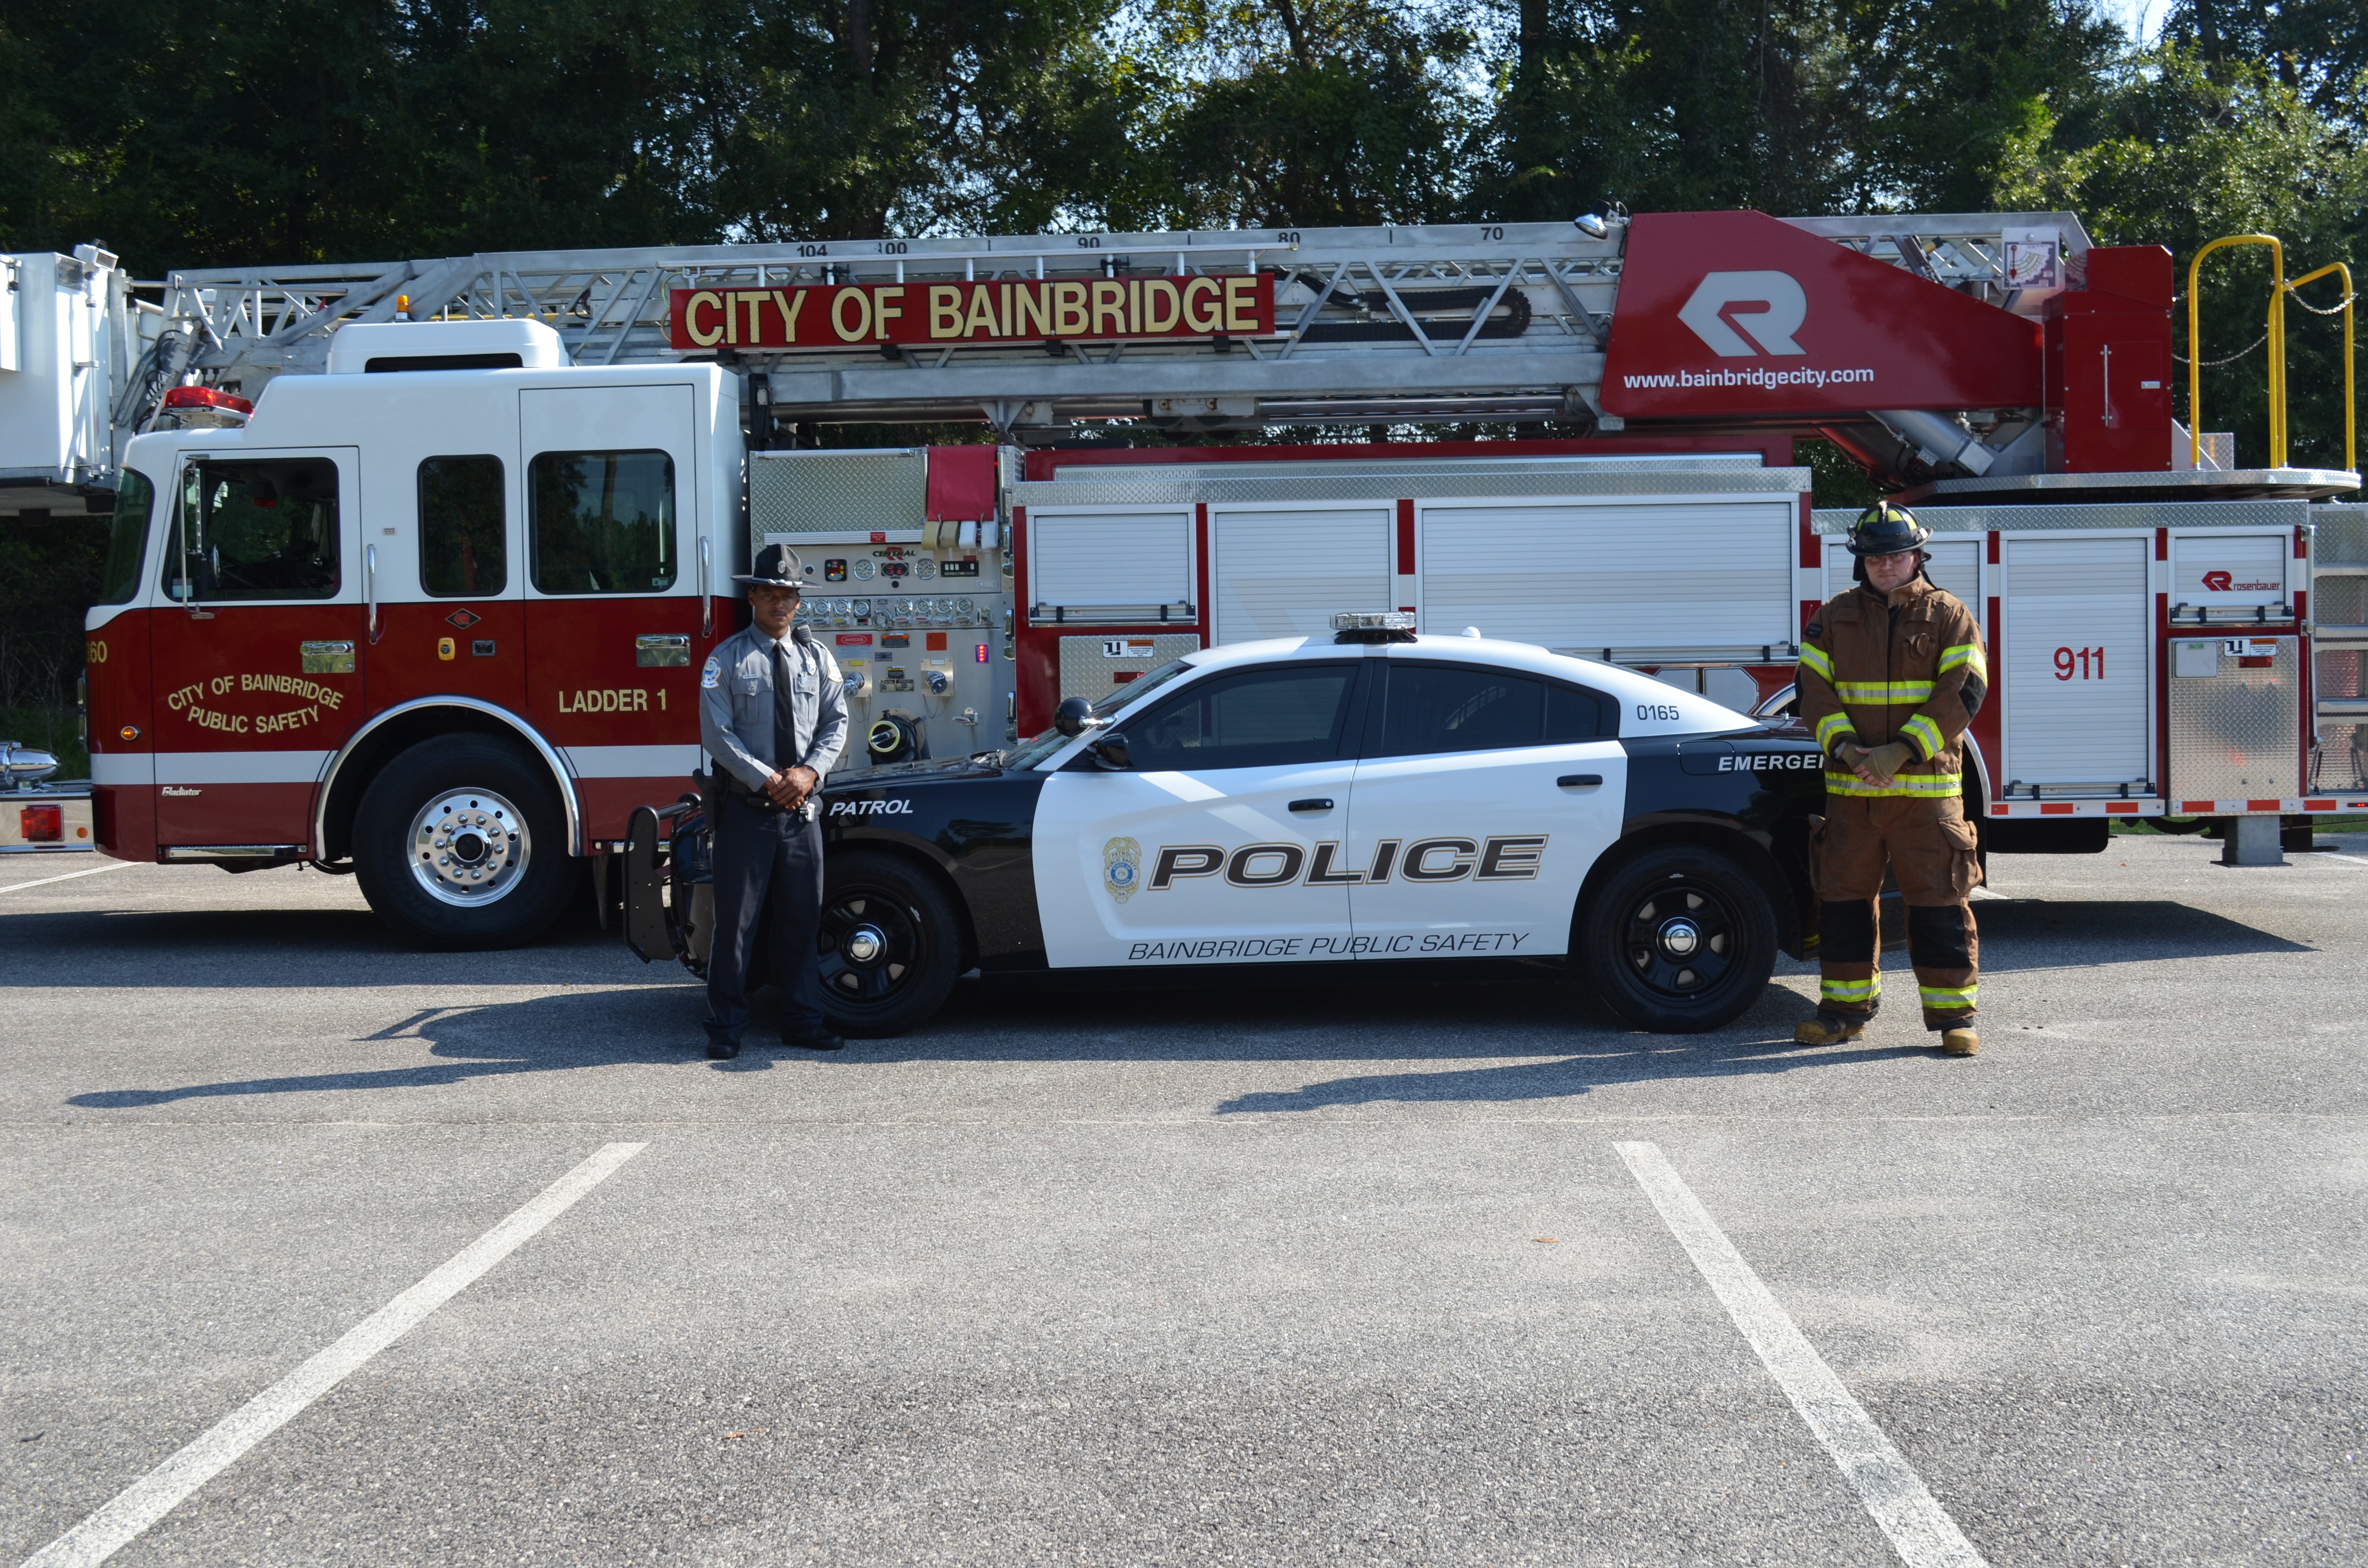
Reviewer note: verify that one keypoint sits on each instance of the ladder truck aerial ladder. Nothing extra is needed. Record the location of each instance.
(364, 515)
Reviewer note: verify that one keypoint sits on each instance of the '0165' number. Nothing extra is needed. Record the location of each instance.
(2076, 661)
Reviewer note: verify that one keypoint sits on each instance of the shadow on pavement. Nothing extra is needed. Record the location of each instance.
(2049, 933)
(244, 949)
(546, 1034)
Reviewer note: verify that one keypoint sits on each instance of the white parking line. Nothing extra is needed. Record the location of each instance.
(159, 1492)
(1920, 1531)
(68, 876)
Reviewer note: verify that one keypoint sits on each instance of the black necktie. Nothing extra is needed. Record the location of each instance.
(785, 727)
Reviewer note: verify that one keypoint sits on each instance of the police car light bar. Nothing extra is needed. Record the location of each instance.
(1373, 626)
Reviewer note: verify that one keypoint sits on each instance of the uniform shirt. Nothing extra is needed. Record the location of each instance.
(735, 705)
(1911, 670)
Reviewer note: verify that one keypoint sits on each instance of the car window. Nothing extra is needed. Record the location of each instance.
(1267, 718)
(1433, 709)
(127, 540)
(266, 529)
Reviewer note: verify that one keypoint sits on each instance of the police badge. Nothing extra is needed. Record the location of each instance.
(1122, 868)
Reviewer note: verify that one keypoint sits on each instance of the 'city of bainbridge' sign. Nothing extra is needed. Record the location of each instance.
(851, 315)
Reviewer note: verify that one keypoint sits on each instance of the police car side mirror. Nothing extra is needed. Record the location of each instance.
(1074, 717)
(1110, 751)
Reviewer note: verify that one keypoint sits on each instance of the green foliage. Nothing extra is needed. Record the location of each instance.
(2182, 150)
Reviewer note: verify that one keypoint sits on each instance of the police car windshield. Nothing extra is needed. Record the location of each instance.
(1122, 697)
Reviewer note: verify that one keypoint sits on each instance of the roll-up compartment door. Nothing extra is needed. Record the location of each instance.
(2077, 681)
(2232, 572)
(1283, 571)
(1693, 576)
(1110, 567)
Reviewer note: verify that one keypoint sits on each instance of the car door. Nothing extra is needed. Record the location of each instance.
(1220, 841)
(258, 671)
(1483, 796)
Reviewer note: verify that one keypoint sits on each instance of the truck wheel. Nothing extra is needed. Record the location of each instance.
(459, 843)
(1680, 940)
(889, 946)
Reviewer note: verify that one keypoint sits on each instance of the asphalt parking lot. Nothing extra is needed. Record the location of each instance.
(1323, 1275)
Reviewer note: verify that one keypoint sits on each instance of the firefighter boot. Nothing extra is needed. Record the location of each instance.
(1958, 1042)
(1827, 1029)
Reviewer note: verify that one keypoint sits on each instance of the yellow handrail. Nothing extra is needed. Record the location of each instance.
(2277, 335)
(2351, 451)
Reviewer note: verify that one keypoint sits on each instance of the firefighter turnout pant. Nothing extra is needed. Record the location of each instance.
(1932, 857)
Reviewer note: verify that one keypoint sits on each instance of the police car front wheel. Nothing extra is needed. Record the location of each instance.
(1679, 939)
(890, 947)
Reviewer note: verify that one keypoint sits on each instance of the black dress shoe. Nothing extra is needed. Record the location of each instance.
(722, 1048)
(819, 1042)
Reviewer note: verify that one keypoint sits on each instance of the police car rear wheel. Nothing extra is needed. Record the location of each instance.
(889, 946)
(1680, 940)
(459, 844)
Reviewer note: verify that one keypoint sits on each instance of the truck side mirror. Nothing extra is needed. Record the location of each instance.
(1074, 717)
(1110, 751)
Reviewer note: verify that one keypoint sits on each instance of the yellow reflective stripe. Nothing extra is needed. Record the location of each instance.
(1832, 725)
(1814, 658)
(1851, 989)
(1942, 998)
(1965, 654)
(1925, 735)
(1883, 691)
(1920, 785)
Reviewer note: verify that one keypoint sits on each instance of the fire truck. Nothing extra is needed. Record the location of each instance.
(415, 564)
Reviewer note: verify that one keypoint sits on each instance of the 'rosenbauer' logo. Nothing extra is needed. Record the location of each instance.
(1739, 333)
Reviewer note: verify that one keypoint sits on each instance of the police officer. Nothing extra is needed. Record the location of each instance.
(1890, 674)
(772, 712)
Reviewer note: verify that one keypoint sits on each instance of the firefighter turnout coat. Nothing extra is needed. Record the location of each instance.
(1912, 670)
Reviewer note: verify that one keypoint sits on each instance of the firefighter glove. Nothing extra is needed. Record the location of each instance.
(1885, 761)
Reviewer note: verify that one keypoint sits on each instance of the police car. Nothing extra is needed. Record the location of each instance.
(1374, 798)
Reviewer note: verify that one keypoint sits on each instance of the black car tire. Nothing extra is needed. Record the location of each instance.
(890, 948)
(475, 776)
(1678, 941)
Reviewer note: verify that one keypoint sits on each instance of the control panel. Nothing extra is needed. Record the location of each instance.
(923, 636)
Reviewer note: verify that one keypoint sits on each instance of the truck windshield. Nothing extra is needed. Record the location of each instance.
(1119, 698)
(127, 544)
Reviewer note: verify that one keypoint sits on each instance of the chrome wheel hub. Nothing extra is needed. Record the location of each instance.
(864, 945)
(469, 847)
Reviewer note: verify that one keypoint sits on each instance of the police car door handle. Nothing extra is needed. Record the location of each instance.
(1320, 803)
(1579, 781)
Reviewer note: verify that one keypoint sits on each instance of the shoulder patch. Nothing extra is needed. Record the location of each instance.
(711, 675)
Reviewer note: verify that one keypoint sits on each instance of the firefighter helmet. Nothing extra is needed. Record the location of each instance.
(1885, 530)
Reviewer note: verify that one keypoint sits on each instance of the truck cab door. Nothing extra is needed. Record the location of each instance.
(257, 657)
(613, 587)
(1219, 840)
(1484, 797)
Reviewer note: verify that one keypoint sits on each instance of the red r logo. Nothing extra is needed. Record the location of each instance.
(2218, 582)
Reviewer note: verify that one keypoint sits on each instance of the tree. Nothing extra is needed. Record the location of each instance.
(2188, 150)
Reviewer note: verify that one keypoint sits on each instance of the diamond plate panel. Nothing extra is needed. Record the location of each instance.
(2235, 734)
(2339, 767)
(792, 492)
(1258, 488)
(2102, 515)
(1090, 668)
(2341, 601)
(2343, 535)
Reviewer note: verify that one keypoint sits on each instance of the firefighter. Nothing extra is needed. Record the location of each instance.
(772, 712)
(1890, 674)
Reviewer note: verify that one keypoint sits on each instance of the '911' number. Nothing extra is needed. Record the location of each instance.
(2075, 660)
